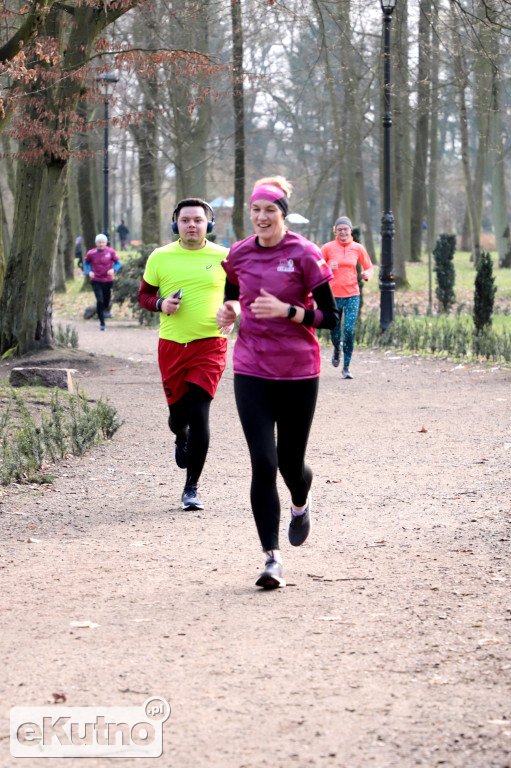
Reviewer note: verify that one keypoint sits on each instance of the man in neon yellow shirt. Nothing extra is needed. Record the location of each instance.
(184, 281)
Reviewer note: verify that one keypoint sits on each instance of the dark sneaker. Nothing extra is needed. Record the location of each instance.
(102, 327)
(336, 357)
(181, 455)
(271, 577)
(299, 526)
(346, 373)
(190, 499)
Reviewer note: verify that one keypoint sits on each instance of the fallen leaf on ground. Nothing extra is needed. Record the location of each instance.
(56, 697)
(33, 541)
(423, 429)
(83, 624)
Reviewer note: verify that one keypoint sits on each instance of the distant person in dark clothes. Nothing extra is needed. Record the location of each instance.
(123, 232)
(100, 264)
(79, 252)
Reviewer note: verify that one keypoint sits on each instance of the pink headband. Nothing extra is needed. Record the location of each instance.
(267, 192)
(273, 194)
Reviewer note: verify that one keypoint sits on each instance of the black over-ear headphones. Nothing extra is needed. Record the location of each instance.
(190, 203)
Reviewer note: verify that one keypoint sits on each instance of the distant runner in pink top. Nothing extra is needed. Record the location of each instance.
(342, 256)
(276, 278)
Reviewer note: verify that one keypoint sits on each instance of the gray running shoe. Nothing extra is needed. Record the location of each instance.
(336, 357)
(271, 577)
(190, 499)
(346, 373)
(299, 526)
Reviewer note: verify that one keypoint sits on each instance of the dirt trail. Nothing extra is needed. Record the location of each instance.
(390, 647)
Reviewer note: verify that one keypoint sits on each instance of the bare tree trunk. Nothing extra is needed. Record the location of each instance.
(14, 293)
(66, 237)
(483, 96)
(466, 239)
(59, 275)
(433, 155)
(27, 295)
(419, 173)
(461, 83)
(400, 148)
(334, 104)
(238, 98)
(124, 180)
(365, 217)
(8, 163)
(36, 329)
(145, 134)
(433, 134)
(84, 190)
(498, 177)
(3, 259)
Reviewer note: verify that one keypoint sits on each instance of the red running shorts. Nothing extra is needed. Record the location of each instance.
(200, 362)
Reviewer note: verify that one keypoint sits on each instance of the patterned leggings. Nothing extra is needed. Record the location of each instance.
(350, 307)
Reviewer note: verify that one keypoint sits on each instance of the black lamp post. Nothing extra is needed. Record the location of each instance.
(387, 284)
(107, 83)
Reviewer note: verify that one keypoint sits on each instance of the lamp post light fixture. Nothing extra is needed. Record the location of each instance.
(107, 83)
(386, 278)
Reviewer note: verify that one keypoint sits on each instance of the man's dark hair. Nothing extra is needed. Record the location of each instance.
(192, 201)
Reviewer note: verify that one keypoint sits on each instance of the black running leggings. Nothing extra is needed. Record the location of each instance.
(264, 404)
(102, 292)
(189, 419)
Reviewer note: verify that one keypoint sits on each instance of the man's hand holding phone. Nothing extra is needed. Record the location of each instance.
(171, 304)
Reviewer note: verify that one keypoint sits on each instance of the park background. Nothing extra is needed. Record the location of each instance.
(201, 98)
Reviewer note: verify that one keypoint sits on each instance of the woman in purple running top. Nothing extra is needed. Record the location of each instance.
(276, 278)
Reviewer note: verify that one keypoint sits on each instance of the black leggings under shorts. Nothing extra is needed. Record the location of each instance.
(264, 404)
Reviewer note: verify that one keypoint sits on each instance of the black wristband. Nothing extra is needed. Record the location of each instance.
(308, 317)
(159, 302)
(291, 312)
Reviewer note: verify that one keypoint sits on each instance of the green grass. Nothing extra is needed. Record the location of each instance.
(415, 298)
(417, 274)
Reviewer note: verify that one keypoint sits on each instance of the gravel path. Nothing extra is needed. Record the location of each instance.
(390, 646)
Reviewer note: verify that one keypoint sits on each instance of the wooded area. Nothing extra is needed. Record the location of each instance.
(213, 94)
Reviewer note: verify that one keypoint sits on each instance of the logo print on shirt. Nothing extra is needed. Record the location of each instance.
(209, 266)
(286, 265)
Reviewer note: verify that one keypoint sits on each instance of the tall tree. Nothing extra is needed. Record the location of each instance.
(420, 160)
(460, 72)
(400, 147)
(27, 294)
(238, 98)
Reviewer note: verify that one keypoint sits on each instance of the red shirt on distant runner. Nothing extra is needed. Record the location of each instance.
(101, 261)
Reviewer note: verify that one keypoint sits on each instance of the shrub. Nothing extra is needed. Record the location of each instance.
(127, 283)
(66, 337)
(484, 293)
(445, 273)
(441, 335)
(26, 445)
